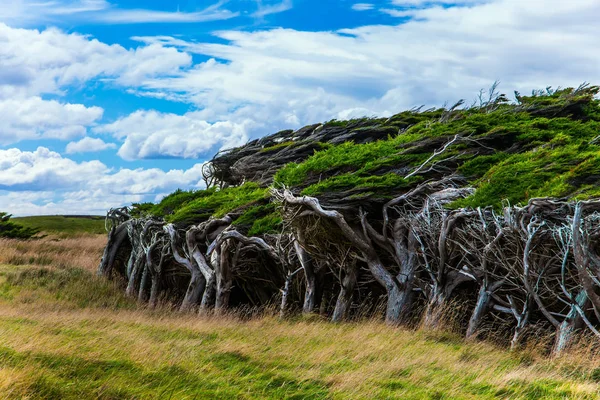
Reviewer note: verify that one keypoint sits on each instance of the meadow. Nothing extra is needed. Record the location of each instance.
(67, 334)
(63, 225)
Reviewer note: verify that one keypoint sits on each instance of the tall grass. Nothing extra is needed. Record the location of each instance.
(81, 251)
(66, 334)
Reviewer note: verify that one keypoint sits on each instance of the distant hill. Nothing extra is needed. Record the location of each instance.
(64, 225)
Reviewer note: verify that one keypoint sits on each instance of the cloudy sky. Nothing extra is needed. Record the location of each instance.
(104, 103)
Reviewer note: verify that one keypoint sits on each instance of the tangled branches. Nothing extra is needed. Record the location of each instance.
(519, 267)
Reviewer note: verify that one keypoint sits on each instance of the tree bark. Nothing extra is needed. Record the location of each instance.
(344, 300)
(143, 284)
(134, 277)
(154, 290)
(224, 278)
(565, 332)
(197, 283)
(116, 236)
(195, 288)
(483, 302)
(310, 294)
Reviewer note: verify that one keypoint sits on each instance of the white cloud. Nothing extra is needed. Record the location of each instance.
(363, 6)
(37, 62)
(34, 118)
(399, 13)
(150, 134)
(268, 9)
(441, 55)
(62, 185)
(87, 145)
(134, 16)
(29, 12)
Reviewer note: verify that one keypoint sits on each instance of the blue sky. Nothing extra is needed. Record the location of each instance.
(108, 102)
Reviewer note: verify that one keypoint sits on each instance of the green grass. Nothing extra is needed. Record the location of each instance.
(64, 225)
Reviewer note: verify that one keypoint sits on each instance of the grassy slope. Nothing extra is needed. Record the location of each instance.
(63, 225)
(69, 335)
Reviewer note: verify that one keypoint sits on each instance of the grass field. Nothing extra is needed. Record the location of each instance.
(67, 334)
(63, 225)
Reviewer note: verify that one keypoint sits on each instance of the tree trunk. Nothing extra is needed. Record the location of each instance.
(208, 298)
(344, 300)
(224, 279)
(131, 263)
(435, 309)
(133, 278)
(194, 291)
(310, 294)
(398, 305)
(154, 290)
(116, 236)
(483, 302)
(285, 294)
(565, 332)
(143, 283)
(519, 329)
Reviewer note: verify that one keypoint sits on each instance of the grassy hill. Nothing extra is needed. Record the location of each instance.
(64, 225)
(67, 334)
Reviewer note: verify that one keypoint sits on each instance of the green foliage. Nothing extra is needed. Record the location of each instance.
(63, 225)
(176, 200)
(346, 156)
(218, 203)
(260, 219)
(268, 224)
(9, 229)
(542, 145)
(539, 152)
(141, 209)
(381, 184)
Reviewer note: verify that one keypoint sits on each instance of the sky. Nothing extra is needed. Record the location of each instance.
(108, 102)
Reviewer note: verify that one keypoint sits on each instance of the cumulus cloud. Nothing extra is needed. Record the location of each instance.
(150, 134)
(88, 145)
(34, 118)
(440, 55)
(39, 62)
(89, 184)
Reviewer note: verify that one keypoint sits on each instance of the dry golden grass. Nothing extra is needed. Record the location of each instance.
(66, 334)
(82, 251)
